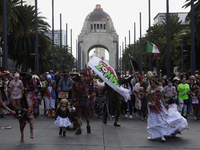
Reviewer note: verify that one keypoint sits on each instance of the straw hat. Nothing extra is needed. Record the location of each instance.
(151, 76)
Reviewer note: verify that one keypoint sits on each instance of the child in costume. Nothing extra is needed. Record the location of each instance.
(23, 115)
(195, 102)
(63, 117)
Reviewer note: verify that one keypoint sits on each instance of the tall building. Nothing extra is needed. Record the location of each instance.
(57, 36)
(161, 16)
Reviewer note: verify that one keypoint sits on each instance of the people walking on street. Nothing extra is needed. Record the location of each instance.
(183, 96)
(16, 91)
(65, 84)
(31, 89)
(195, 102)
(169, 93)
(80, 93)
(50, 96)
(3, 88)
(63, 117)
(164, 120)
(138, 96)
(23, 115)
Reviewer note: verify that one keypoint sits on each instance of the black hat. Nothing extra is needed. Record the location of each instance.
(28, 77)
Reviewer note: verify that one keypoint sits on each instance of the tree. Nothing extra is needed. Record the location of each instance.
(21, 48)
(196, 17)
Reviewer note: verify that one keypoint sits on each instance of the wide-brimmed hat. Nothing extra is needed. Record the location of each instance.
(176, 78)
(151, 76)
(74, 73)
(65, 72)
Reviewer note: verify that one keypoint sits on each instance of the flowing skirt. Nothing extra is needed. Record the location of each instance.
(62, 122)
(158, 127)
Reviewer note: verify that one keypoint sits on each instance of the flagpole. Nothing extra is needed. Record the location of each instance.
(125, 57)
(150, 68)
(130, 71)
(122, 54)
(134, 39)
(192, 40)
(168, 59)
(60, 42)
(140, 45)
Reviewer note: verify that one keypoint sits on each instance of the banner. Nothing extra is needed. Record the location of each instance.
(108, 74)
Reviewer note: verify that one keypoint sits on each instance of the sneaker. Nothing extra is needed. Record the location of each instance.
(195, 118)
(53, 113)
(88, 129)
(126, 115)
(117, 124)
(163, 139)
(130, 116)
(78, 131)
(49, 113)
(137, 115)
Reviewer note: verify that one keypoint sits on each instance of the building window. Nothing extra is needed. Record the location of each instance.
(97, 26)
(94, 27)
(91, 27)
(101, 26)
(104, 26)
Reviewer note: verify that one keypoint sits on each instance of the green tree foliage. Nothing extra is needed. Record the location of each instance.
(20, 49)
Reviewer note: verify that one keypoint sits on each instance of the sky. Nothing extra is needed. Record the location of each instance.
(122, 12)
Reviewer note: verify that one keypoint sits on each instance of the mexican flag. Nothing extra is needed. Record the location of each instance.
(152, 48)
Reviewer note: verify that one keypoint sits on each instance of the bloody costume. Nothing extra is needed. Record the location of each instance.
(24, 116)
(31, 85)
(80, 91)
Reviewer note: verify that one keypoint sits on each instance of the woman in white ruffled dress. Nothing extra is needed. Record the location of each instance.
(63, 116)
(164, 119)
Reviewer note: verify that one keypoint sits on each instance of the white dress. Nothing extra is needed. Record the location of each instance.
(172, 122)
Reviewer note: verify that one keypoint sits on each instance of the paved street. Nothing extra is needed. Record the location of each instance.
(131, 135)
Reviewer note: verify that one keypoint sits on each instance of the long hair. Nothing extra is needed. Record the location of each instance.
(64, 100)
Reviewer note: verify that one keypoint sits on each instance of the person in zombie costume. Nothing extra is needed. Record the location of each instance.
(164, 119)
(16, 91)
(50, 96)
(115, 99)
(31, 89)
(23, 115)
(80, 92)
(3, 89)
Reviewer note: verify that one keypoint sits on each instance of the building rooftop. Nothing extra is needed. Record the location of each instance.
(98, 15)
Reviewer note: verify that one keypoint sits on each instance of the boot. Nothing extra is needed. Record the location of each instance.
(88, 129)
(49, 113)
(64, 133)
(60, 133)
(78, 131)
(53, 113)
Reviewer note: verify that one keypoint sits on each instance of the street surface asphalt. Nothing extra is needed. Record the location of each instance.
(132, 135)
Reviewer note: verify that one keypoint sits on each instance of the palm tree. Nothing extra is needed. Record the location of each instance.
(21, 48)
(14, 24)
(196, 17)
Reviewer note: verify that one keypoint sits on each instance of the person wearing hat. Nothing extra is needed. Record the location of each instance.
(65, 84)
(163, 120)
(80, 93)
(170, 93)
(3, 89)
(50, 96)
(23, 115)
(16, 91)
